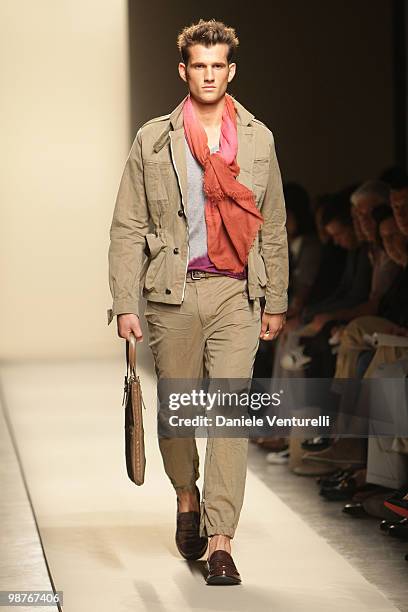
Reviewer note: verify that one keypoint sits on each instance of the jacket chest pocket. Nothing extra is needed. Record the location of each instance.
(159, 182)
(261, 172)
(260, 177)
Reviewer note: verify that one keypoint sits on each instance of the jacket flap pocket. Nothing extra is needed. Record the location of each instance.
(260, 269)
(154, 244)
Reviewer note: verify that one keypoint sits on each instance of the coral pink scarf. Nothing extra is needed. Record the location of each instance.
(231, 215)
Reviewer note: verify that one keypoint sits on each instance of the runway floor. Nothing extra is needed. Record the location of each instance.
(109, 545)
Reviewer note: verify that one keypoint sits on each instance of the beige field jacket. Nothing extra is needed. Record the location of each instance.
(149, 251)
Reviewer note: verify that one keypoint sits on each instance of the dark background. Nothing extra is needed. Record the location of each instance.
(328, 78)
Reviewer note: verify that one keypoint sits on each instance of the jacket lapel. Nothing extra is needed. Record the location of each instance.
(178, 152)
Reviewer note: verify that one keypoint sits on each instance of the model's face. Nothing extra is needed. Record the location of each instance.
(399, 203)
(395, 243)
(341, 234)
(207, 73)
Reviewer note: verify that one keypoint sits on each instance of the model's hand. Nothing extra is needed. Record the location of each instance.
(272, 325)
(129, 323)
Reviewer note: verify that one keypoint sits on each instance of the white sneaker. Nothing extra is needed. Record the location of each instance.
(295, 359)
(278, 458)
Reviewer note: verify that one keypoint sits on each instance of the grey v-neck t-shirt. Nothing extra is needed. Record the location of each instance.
(197, 227)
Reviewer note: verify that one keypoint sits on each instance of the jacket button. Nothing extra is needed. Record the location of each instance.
(180, 212)
(176, 251)
(168, 290)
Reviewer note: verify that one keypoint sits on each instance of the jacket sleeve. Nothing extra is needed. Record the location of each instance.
(129, 226)
(274, 243)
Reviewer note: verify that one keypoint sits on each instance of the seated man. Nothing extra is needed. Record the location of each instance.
(392, 316)
(365, 201)
(399, 200)
(317, 351)
(392, 319)
(305, 247)
(364, 325)
(354, 285)
(387, 458)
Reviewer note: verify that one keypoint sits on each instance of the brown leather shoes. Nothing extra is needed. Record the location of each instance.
(189, 543)
(221, 569)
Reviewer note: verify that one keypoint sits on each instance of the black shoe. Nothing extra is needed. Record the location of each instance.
(398, 531)
(345, 489)
(385, 525)
(354, 509)
(315, 444)
(189, 543)
(221, 569)
(334, 479)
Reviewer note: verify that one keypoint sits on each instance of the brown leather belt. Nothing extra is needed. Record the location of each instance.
(198, 274)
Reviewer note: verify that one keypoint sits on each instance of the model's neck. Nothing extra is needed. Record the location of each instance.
(210, 115)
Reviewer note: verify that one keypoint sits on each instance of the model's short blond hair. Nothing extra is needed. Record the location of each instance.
(207, 33)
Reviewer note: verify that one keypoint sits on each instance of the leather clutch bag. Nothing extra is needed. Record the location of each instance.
(134, 432)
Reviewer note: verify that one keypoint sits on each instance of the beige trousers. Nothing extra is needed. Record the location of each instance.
(352, 344)
(214, 333)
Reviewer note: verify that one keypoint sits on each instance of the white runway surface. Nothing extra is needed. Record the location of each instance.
(110, 545)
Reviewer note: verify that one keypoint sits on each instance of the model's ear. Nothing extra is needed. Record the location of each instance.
(231, 71)
(182, 69)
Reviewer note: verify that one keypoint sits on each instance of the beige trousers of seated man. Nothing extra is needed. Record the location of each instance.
(352, 344)
(214, 332)
(386, 463)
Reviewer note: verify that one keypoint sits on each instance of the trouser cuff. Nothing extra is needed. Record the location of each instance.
(218, 530)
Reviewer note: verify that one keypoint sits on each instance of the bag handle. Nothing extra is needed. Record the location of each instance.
(130, 363)
(131, 355)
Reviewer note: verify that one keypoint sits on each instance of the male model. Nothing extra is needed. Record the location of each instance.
(201, 195)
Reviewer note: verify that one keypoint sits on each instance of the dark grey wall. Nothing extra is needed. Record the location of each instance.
(318, 73)
(405, 87)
